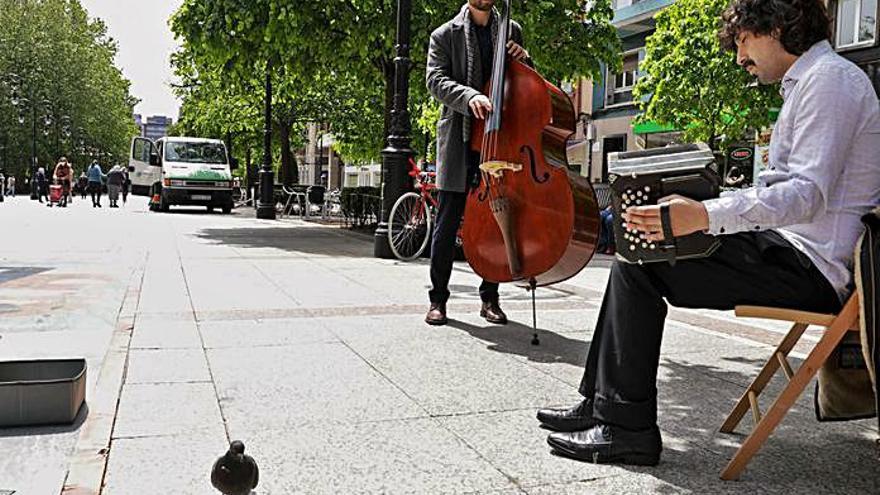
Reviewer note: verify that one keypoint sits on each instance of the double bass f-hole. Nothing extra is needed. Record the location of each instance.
(534, 166)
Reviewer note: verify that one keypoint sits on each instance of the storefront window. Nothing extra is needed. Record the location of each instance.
(856, 22)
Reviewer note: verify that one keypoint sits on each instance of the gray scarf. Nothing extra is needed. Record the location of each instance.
(473, 59)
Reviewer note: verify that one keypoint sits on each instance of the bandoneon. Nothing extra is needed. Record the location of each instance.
(639, 178)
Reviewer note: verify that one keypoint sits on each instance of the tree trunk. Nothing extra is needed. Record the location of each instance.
(287, 174)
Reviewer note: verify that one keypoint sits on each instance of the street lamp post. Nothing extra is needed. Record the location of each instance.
(266, 207)
(395, 157)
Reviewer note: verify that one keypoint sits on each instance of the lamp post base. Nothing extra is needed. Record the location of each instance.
(266, 205)
(381, 246)
(395, 182)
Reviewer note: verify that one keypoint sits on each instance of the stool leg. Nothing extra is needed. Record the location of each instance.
(757, 386)
(833, 335)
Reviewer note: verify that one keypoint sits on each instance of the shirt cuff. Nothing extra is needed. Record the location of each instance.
(722, 216)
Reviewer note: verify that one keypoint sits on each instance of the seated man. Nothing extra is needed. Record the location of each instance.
(787, 242)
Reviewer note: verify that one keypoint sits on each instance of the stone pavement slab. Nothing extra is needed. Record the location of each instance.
(153, 409)
(454, 376)
(241, 334)
(165, 334)
(271, 387)
(177, 464)
(394, 456)
(167, 366)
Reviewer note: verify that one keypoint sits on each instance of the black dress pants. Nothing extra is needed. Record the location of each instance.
(755, 268)
(448, 220)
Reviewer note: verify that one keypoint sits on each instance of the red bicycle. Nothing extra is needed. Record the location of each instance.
(411, 217)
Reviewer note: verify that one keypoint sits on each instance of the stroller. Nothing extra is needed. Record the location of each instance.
(59, 193)
(55, 195)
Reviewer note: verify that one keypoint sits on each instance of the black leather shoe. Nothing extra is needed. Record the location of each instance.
(605, 444)
(577, 418)
(437, 314)
(491, 311)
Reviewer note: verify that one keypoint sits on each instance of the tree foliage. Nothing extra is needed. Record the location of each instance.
(691, 83)
(333, 60)
(54, 56)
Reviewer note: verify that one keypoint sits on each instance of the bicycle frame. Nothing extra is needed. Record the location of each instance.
(427, 189)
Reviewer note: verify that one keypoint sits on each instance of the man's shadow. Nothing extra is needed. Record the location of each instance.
(515, 338)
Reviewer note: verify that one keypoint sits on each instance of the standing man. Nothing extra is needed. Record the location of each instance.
(96, 183)
(459, 66)
(788, 242)
(10, 186)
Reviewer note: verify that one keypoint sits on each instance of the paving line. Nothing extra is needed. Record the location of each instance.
(85, 475)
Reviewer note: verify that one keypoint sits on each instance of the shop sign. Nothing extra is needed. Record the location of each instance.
(741, 154)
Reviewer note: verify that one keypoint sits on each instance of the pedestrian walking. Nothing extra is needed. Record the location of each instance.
(42, 185)
(62, 176)
(82, 184)
(126, 185)
(10, 186)
(96, 180)
(115, 180)
(2, 186)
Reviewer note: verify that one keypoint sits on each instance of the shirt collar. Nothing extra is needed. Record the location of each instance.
(803, 64)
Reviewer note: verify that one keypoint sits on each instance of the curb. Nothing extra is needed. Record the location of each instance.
(85, 474)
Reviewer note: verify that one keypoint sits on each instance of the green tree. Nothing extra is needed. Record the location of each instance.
(58, 64)
(567, 39)
(333, 59)
(692, 84)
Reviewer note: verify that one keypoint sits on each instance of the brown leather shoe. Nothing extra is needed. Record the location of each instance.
(492, 313)
(437, 314)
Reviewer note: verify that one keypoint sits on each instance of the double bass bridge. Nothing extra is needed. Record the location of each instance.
(496, 168)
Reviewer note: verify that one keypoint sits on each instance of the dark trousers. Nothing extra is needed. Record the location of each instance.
(448, 220)
(756, 268)
(95, 190)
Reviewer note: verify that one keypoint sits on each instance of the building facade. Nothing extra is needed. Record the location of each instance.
(154, 127)
(856, 34)
(607, 108)
(318, 163)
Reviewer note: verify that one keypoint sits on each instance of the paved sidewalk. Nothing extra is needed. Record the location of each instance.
(294, 339)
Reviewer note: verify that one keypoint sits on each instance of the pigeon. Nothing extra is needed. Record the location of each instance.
(235, 473)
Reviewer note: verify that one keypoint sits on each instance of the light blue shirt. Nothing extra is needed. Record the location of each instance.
(95, 173)
(824, 169)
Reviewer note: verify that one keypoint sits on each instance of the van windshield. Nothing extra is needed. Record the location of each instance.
(195, 152)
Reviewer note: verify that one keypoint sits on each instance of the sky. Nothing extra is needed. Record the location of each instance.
(140, 28)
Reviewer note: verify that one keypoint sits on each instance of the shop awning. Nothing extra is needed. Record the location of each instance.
(651, 127)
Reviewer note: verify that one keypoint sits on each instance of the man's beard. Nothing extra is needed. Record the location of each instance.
(483, 5)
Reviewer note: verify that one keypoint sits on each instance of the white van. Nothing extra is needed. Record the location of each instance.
(182, 171)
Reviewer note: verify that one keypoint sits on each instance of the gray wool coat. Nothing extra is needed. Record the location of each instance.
(452, 77)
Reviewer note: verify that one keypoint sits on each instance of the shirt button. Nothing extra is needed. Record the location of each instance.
(757, 227)
(721, 230)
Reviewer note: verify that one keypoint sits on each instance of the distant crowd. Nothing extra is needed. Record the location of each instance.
(60, 188)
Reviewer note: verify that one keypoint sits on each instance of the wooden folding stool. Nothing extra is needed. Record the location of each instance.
(836, 327)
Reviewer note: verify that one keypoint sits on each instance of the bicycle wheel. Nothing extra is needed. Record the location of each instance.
(408, 226)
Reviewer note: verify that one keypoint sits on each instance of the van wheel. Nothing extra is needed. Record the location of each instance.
(163, 203)
(227, 209)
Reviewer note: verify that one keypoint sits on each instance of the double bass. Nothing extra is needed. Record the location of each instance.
(530, 219)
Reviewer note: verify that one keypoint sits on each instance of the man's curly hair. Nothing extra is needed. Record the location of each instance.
(799, 23)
